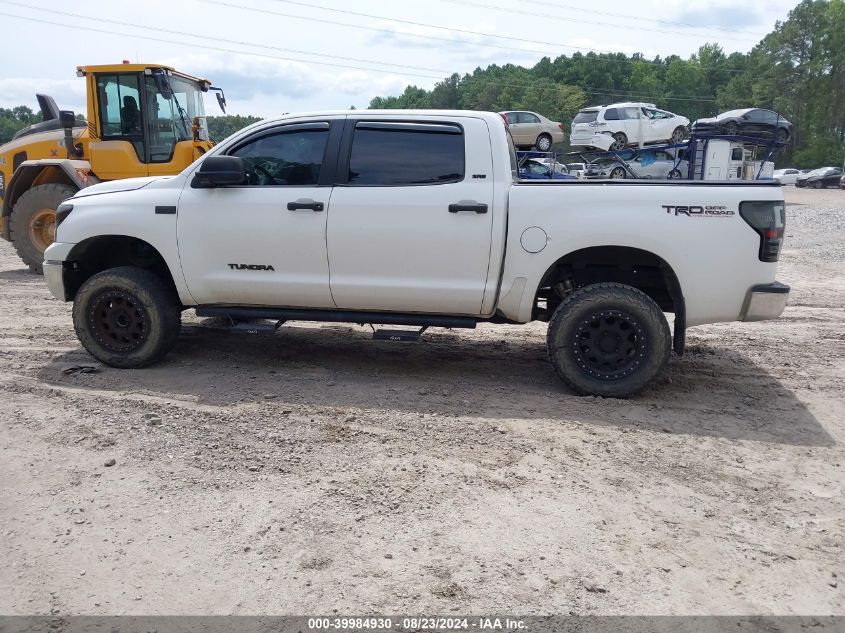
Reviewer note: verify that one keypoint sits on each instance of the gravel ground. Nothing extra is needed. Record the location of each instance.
(322, 472)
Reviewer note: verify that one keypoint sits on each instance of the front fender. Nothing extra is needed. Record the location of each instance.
(32, 173)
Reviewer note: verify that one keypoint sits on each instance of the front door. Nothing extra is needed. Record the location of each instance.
(410, 230)
(264, 243)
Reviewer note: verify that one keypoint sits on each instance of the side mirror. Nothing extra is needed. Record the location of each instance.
(163, 85)
(221, 98)
(67, 118)
(220, 171)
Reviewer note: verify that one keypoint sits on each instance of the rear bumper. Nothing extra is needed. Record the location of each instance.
(766, 301)
(580, 139)
(54, 274)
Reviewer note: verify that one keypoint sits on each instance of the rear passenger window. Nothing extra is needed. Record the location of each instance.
(611, 114)
(406, 154)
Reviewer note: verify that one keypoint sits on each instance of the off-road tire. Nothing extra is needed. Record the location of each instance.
(150, 310)
(544, 143)
(48, 196)
(620, 141)
(596, 314)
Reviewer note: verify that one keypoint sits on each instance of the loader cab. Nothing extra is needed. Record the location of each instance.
(144, 121)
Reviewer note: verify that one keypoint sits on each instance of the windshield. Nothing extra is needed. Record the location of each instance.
(170, 120)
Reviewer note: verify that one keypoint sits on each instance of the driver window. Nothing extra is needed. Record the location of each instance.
(288, 158)
(120, 110)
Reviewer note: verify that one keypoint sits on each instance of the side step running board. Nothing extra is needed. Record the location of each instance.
(255, 328)
(403, 336)
(335, 316)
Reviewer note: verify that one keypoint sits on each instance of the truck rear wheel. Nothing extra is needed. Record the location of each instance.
(127, 317)
(32, 225)
(608, 339)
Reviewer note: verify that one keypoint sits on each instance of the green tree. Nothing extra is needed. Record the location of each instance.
(221, 127)
(14, 119)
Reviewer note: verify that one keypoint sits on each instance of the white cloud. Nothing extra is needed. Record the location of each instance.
(256, 83)
(68, 93)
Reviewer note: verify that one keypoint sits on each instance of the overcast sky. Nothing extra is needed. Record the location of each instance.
(276, 56)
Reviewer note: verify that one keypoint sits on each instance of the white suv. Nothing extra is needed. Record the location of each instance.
(629, 124)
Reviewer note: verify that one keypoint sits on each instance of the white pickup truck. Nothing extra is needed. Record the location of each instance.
(415, 218)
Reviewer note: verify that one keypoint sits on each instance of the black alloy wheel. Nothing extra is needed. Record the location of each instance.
(608, 339)
(118, 320)
(127, 317)
(609, 344)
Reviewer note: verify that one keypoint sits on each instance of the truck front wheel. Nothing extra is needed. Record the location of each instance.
(127, 317)
(32, 226)
(608, 339)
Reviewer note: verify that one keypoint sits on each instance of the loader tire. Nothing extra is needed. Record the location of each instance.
(32, 225)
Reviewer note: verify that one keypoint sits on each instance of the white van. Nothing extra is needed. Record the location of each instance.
(628, 123)
(730, 160)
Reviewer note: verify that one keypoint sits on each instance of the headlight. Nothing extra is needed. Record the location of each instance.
(62, 212)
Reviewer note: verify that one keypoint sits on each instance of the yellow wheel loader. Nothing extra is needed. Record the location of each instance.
(143, 120)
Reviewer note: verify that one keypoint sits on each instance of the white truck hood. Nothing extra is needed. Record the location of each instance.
(113, 186)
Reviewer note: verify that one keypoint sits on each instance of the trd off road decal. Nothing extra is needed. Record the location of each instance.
(698, 211)
(251, 267)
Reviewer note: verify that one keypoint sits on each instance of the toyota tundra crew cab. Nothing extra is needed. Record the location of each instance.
(415, 218)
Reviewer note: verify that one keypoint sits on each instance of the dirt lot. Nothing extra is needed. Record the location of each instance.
(320, 471)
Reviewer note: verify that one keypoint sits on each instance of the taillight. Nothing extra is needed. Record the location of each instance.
(505, 118)
(560, 125)
(768, 219)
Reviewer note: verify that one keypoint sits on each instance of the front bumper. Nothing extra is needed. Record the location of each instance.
(54, 274)
(766, 301)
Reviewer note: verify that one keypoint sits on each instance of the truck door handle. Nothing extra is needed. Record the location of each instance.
(475, 207)
(305, 203)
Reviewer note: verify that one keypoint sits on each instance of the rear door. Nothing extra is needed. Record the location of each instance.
(531, 127)
(584, 125)
(412, 215)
